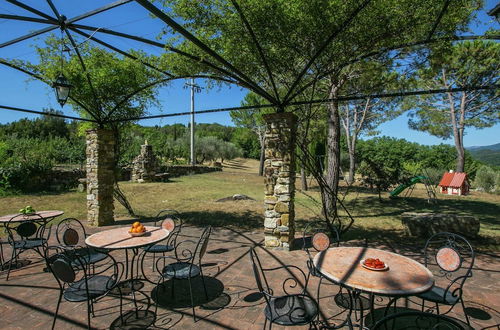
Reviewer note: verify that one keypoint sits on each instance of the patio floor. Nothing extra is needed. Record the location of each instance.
(28, 299)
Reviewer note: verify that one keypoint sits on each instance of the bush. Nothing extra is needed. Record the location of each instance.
(485, 178)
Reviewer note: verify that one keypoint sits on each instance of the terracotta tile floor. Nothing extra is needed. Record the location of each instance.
(28, 300)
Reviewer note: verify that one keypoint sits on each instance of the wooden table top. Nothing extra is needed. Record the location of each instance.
(27, 217)
(119, 238)
(404, 276)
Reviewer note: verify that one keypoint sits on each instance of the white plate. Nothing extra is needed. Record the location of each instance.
(362, 262)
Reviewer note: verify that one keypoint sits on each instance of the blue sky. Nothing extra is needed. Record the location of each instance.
(17, 90)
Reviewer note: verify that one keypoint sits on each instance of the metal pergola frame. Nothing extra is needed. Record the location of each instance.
(229, 73)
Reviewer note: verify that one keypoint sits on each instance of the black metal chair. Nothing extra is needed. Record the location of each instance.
(450, 257)
(187, 265)
(25, 234)
(318, 238)
(417, 320)
(285, 308)
(76, 283)
(71, 233)
(169, 220)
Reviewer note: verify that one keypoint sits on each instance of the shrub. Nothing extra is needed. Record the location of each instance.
(485, 178)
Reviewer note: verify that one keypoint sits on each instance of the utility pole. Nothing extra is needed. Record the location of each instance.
(197, 89)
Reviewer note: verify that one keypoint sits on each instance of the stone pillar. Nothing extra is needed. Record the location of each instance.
(100, 176)
(279, 172)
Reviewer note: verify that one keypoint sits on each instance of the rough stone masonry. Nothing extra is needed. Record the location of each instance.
(279, 176)
(100, 176)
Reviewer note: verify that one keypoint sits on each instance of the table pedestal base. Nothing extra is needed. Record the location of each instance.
(128, 287)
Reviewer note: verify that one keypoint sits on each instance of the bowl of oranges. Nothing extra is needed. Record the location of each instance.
(374, 264)
(137, 229)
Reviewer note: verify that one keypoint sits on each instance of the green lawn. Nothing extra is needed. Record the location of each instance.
(195, 197)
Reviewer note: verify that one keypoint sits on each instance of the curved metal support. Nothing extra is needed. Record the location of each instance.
(34, 75)
(154, 43)
(321, 49)
(386, 50)
(175, 26)
(259, 48)
(441, 14)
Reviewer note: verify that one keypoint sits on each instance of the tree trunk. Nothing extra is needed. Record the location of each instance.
(333, 153)
(352, 166)
(303, 178)
(262, 159)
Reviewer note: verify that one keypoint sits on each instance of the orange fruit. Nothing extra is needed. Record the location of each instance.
(136, 224)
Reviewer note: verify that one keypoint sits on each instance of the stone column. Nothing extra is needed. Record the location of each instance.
(100, 176)
(279, 172)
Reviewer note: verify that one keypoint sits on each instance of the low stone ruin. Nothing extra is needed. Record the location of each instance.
(145, 165)
(426, 224)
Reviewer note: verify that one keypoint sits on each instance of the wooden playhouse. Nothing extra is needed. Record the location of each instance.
(454, 183)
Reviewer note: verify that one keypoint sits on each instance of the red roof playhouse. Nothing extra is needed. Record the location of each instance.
(454, 183)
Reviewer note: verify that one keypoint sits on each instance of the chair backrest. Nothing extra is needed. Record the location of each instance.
(168, 219)
(202, 245)
(24, 226)
(68, 266)
(417, 320)
(70, 232)
(450, 257)
(319, 236)
(294, 280)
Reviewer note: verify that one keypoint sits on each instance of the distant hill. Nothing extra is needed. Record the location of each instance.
(487, 154)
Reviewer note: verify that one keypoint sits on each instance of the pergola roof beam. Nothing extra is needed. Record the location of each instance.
(441, 14)
(44, 113)
(388, 49)
(259, 48)
(162, 46)
(319, 101)
(98, 10)
(33, 10)
(124, 53)
(34, 75)
(328, 41)
(29, 35)
(26, 18)
(175, 26)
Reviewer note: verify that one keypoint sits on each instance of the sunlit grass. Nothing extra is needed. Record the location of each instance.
(195, 197)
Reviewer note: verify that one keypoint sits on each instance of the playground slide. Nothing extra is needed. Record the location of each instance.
(405, 185)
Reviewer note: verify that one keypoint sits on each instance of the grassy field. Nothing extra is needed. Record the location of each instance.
(195, 197)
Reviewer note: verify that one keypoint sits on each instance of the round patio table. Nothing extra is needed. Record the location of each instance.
(45, 215)
(404, 276)
(120, 239)
(40, 217)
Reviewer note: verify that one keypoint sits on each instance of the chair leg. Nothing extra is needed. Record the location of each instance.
(88, 313)
(317, 293)
(57, 309)
(192, 299)
(465, 313)
(437, 308)
(204, 286)
(13, 257)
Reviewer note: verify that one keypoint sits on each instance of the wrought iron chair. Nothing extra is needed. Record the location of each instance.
(71, 233)
(24, 235)
(317, 238)
(169, 220)
(187, 265)
(76, 283)
(450, 257)
(417, 320)
(285, 308)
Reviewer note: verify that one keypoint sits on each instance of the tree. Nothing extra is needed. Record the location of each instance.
(252, 120)
(291, 34)
(103, 88)
(448, 115)
(361, 117)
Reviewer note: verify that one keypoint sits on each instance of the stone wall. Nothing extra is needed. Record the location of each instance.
(100, 176)
(179, 170)
(426, 224)
(279, 172)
